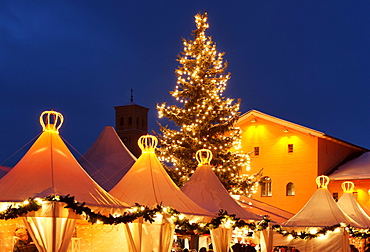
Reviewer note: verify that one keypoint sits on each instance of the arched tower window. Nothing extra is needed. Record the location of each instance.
(122, 121)
(137, 121)
(266, 187)
(290, 189)
(130, 120)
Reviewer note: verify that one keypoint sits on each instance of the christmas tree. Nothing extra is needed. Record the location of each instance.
(205, 119)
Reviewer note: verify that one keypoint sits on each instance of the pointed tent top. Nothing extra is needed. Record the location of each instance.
(108, 159)
(204, 157)
(321, 210)
(322, 181)
(51, 121)
(205, 189)
(348, 204)
(49, 168)
(348, 186)
(147, 143)
(148, 183)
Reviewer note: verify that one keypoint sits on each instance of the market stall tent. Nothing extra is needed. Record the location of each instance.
(147, 183)
(48, 168)
(321, 211)
(348, 204)
(108, 159)
(205, 189)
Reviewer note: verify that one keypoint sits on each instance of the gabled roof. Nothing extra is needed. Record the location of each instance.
(147, 183)
(205, 189)
(255, 114)
(108, 159)
(49, 168)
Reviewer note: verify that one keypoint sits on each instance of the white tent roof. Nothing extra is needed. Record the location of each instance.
(350, 206)
(358, 168)
(108, 159)
(147, 183)
(205, 189)
(49, 168)
(320, 211)
(261, 208)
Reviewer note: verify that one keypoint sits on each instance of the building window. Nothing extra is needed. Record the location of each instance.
(130, 120)
(122, 121)
(335, 196)
(266, 190)
(137, 121)
(355, 195)
(290, 148)
(290, 189)
(256, 151)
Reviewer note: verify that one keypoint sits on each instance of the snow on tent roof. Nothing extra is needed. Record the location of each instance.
(108, 159)
(205, 189)
(350, 206)
(49, 168)
(147, 183)
(358, 168)
(320, 211)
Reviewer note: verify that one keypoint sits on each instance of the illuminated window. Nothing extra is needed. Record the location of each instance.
(290, 148)
(266, 189)
(290, 189)
(256, 151)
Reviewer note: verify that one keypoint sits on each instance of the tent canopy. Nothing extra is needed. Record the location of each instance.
(205, 189)
(49, 168)
(348, 204)
(148, 183)
(320, 211)
(108, 159)
(261, 208)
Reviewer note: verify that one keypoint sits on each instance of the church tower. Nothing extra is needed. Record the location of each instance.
(131, 124)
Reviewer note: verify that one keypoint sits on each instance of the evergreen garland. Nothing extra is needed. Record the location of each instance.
(182, 223)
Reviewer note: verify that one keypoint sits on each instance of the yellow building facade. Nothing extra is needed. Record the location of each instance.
(291, 156)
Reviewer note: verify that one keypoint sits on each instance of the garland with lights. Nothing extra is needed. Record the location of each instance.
(206, 119)
(182, 223)
(353, 232)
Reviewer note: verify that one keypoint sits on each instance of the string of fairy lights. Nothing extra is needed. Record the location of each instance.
(182, 223)
(206, 119)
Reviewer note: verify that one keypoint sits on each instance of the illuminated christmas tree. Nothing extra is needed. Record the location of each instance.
(205, 119)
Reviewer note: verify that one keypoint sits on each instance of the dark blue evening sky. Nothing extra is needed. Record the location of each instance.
(303, 61)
